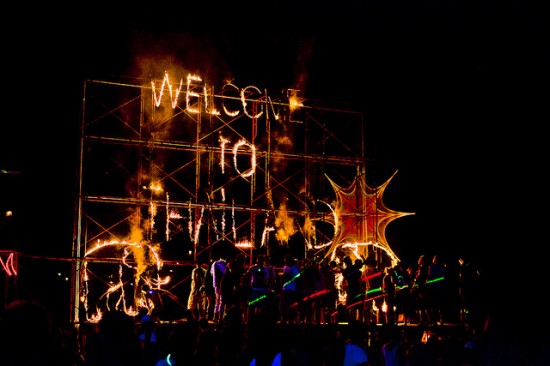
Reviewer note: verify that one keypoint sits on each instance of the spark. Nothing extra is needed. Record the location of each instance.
(223, 212)
(207, 101)
(173, 94)
(190, 94)
(175, 215)
(233, 229)
(139, 267)
(264, 235)
(334, 216)
(252, 168)
(153, 212)
(223, 142)
(244, 103)
(243, 244)
(190, 223)
(167, 216)
(198, 227)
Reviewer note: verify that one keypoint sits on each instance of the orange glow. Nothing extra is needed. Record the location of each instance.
(139, 258)
(248, 96)
(194, 167)
(156, 187)
(295, 103)
(252, 168)
(284, 225)
(244, 98)
(174, 95)
(243, 244)
(191, 94)
(362, 217)
(175, 215)
(265, 233)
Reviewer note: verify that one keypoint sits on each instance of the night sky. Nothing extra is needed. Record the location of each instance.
(454, 96)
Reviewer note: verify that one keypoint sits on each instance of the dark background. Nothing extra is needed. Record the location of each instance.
(454, 96)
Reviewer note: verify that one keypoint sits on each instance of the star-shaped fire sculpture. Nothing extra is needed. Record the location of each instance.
(360, 219)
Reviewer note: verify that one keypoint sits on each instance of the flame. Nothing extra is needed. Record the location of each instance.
(243, 244)
(294, 103)
(360, 216)
(252, 168)
(284, 225)
(175, 215)
(144, 257)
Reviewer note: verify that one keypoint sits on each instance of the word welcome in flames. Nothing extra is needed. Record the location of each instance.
(194, 92)
(249, 97)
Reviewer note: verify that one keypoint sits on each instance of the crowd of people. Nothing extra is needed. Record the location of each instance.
(29, 336)
(323, 291)
(309, 312)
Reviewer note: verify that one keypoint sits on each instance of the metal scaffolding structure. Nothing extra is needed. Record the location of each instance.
(174, 173)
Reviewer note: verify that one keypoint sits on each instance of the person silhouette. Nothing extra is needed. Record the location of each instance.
(419, 290)
(218, 269)
(116, 342)
(30, 336)
(389, 291)
(195, 301)
(436, 290)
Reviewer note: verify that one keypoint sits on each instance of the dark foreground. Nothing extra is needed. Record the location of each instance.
(234, 343)
(29, 337)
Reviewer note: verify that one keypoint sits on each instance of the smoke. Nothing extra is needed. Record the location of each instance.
(301, 74)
